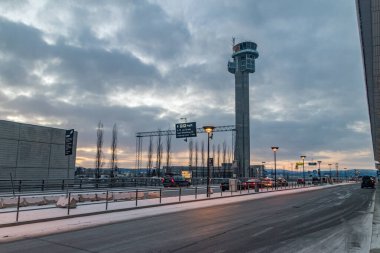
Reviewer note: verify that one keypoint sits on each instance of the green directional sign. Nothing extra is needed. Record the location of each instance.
(186, 130)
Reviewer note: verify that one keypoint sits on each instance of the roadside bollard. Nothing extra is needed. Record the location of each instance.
(68, 204)
(160, 195)
(196, 192)
(179, 193)
(256, 188)
(43, 185)
(137, 191)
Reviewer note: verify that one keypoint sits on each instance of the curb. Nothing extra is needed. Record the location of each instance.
(375, 238)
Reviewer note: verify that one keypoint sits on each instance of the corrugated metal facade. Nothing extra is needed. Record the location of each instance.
(369, 26)
(34, 152)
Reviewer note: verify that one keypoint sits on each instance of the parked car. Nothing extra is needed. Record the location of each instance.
(251, 183)
(368, 181)
(267, 182)
(282, 182)
(316, 180)
(175, 181)
(225, 185)
(300, 181)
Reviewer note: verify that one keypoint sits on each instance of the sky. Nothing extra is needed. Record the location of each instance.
(144, 65)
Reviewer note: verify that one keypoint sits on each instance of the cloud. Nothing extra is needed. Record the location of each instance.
(146, 64)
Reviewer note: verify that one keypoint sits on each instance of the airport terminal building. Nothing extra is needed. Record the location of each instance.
(368, 12)
(34, 152)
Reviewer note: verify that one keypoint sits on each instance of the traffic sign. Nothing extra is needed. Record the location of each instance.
(313, 164)
(185, 130)
(69, 140)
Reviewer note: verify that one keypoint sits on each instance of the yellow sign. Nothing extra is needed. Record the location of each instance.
(186, 174)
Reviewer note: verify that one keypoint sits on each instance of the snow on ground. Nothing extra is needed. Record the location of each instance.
(44, 228)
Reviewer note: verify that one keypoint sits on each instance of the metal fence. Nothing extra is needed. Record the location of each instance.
(44, 206)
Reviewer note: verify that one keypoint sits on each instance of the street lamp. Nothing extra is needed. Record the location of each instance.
(275, 169)
(319, 171)
(262, 169)
(208, 130)
(330, 171)
(345, 174)
(303, 169)
(337, 172)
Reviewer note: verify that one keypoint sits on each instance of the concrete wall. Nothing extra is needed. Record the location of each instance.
(34, 152)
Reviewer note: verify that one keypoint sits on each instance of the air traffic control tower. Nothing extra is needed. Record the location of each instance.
(244, 55)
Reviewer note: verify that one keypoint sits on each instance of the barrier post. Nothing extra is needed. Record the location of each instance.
(68, 204)
(107, 200)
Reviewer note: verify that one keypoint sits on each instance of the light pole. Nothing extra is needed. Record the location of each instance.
(345, 174)
(262, 171)
(275, 168)
(330, 172)
(303, 169)
(208, 130)
(337, 172)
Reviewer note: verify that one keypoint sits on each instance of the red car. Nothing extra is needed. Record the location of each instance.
(300, 181)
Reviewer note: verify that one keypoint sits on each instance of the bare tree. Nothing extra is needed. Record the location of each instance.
(150, 154)
(224, 158)
(213, 159)
(99, 158)
(168, 149)
(203, 158)
(196, 158)
(113, 161)
(159, 153)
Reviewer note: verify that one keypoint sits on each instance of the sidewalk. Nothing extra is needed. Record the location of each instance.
(375, 240)
(69, 223)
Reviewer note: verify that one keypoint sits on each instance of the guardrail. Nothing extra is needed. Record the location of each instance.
(73, 203)
(25, 185)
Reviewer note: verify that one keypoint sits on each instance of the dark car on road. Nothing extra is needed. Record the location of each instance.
(282, 182)
(300, 181)
(225, 185)
(175, 181)
(368, 181)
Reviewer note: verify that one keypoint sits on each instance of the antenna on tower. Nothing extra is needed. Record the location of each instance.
(233, 41)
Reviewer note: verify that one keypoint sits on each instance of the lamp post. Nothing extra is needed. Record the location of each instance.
(345, 174)
(303, 169)
(275, 168)
(319, 171)
(330, 171)
(208, 130)
(337, 172)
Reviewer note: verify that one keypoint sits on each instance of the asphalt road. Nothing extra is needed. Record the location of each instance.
(328, 220)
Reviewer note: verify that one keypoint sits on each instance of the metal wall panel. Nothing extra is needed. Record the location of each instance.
(34, 152)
